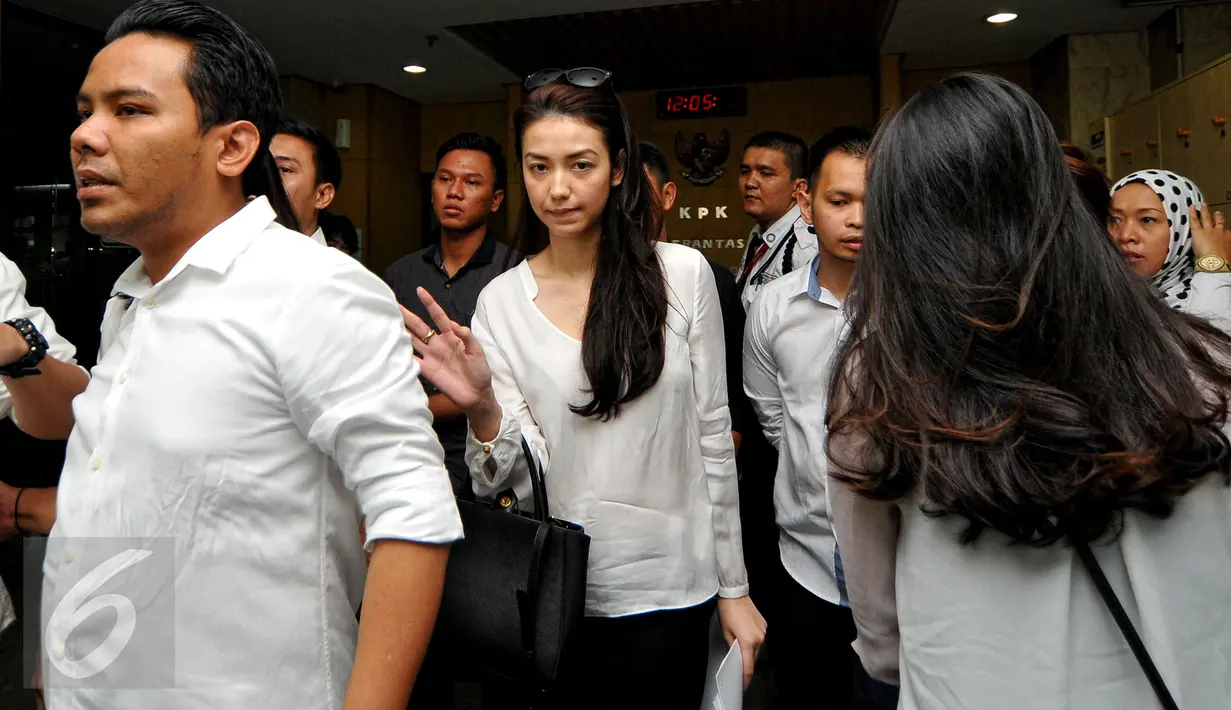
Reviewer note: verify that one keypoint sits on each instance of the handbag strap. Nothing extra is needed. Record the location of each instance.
(1126, 625)
(537, 482)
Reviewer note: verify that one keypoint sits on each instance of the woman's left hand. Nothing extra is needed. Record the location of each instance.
(1210, 234)
(742, 622)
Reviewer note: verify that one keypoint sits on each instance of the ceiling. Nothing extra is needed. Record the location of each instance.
(485, 44)
(953, 33)
(696, 44)
(369, 41)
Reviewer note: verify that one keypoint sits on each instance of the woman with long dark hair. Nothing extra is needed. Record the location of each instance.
(1010, 393)
(604, 349)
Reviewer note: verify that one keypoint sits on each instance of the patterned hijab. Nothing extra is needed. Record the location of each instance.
(1175, 278)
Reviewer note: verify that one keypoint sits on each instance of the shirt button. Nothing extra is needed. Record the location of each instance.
(448, 285)
(151, 303)
(69, 557)
(96, 464)
(123, 377)
(487, 449)
(59, 653)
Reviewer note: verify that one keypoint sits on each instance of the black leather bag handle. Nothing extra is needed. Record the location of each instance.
(528, 595)
(1126, 624)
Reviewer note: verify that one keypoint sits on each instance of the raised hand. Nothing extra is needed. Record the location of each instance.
(451, 357)
(1210, 234)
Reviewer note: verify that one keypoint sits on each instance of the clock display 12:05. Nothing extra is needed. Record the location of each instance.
(692, 103)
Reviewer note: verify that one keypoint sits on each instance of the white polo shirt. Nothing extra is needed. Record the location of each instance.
(222, 397)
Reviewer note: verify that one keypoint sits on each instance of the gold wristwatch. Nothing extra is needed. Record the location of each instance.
(1212, 263)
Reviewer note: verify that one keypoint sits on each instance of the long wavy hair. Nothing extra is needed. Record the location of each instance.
(1004, 363)
(622, 344)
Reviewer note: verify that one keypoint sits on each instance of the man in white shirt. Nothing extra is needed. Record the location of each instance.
(771, 173)
(254, 394)
(311, 172)
(792, 331)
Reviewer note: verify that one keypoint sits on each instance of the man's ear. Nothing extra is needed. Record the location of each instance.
(325, 193)
(238, 145)
(804, 199)
(497, 200)
(669, 195)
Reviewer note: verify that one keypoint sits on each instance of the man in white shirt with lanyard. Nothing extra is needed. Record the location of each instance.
(254, 394)
(792, 331)
(771, 172)
(311, 172)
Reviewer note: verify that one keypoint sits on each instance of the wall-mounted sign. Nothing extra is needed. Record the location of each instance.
(726, 102)
(701, 159)
(719, 212)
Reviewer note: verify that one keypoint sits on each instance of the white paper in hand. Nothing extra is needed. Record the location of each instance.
(724, 680)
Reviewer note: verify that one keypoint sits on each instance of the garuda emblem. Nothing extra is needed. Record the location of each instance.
(701, 159)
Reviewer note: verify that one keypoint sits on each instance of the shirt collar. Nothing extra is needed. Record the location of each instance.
(481, 256)
(319, 237)
(215, 251)
(812, 288)
(779, 228)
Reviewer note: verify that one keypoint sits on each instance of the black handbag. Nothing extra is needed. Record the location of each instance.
(515, 588)
(1126, 624)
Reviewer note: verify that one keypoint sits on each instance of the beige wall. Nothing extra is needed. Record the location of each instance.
(438, 123)
(380, 169)
(1017, 72)
(1106, 73)
(1207, 34)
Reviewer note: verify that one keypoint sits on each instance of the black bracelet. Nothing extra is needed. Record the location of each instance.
(16, 517)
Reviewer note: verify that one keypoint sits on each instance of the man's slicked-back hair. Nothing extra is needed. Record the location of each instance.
(324, 155)
(791, 146)
(654, 160)
(230, 76)
(484, 144)
(848, 140)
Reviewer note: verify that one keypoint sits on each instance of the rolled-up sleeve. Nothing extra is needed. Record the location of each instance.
(707, 353)
(351, 380)
(500, 463)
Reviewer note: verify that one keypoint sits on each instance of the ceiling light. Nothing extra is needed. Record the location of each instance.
(414, 69)
(1002, 17)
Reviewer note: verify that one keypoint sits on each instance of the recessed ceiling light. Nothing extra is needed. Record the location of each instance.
(1002, 17)
(414, 69)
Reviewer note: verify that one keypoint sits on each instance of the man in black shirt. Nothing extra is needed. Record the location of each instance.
(467, 189)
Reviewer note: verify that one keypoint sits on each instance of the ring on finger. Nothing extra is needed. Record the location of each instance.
(430, 334)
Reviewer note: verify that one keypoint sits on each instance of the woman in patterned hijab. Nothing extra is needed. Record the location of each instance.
(1156, 219)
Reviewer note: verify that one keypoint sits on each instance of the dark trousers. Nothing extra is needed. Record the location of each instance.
(871, 694)
(652, 661)
(647, 661)
(814, 664)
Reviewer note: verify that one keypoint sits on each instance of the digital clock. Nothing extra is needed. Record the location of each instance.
(722, 102)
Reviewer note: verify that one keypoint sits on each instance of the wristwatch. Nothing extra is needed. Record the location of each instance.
(28, 364)
(1212, 263)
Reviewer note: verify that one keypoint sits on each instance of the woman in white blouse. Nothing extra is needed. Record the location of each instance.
(605, 351)
(1168, 234)
(1010, 388)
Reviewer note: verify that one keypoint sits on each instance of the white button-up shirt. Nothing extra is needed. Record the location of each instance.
(13, 305)
(655, 487)
(789, 246)
(789, 341)
(223, 396)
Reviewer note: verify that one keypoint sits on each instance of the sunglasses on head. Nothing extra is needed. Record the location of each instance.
(584, 77)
